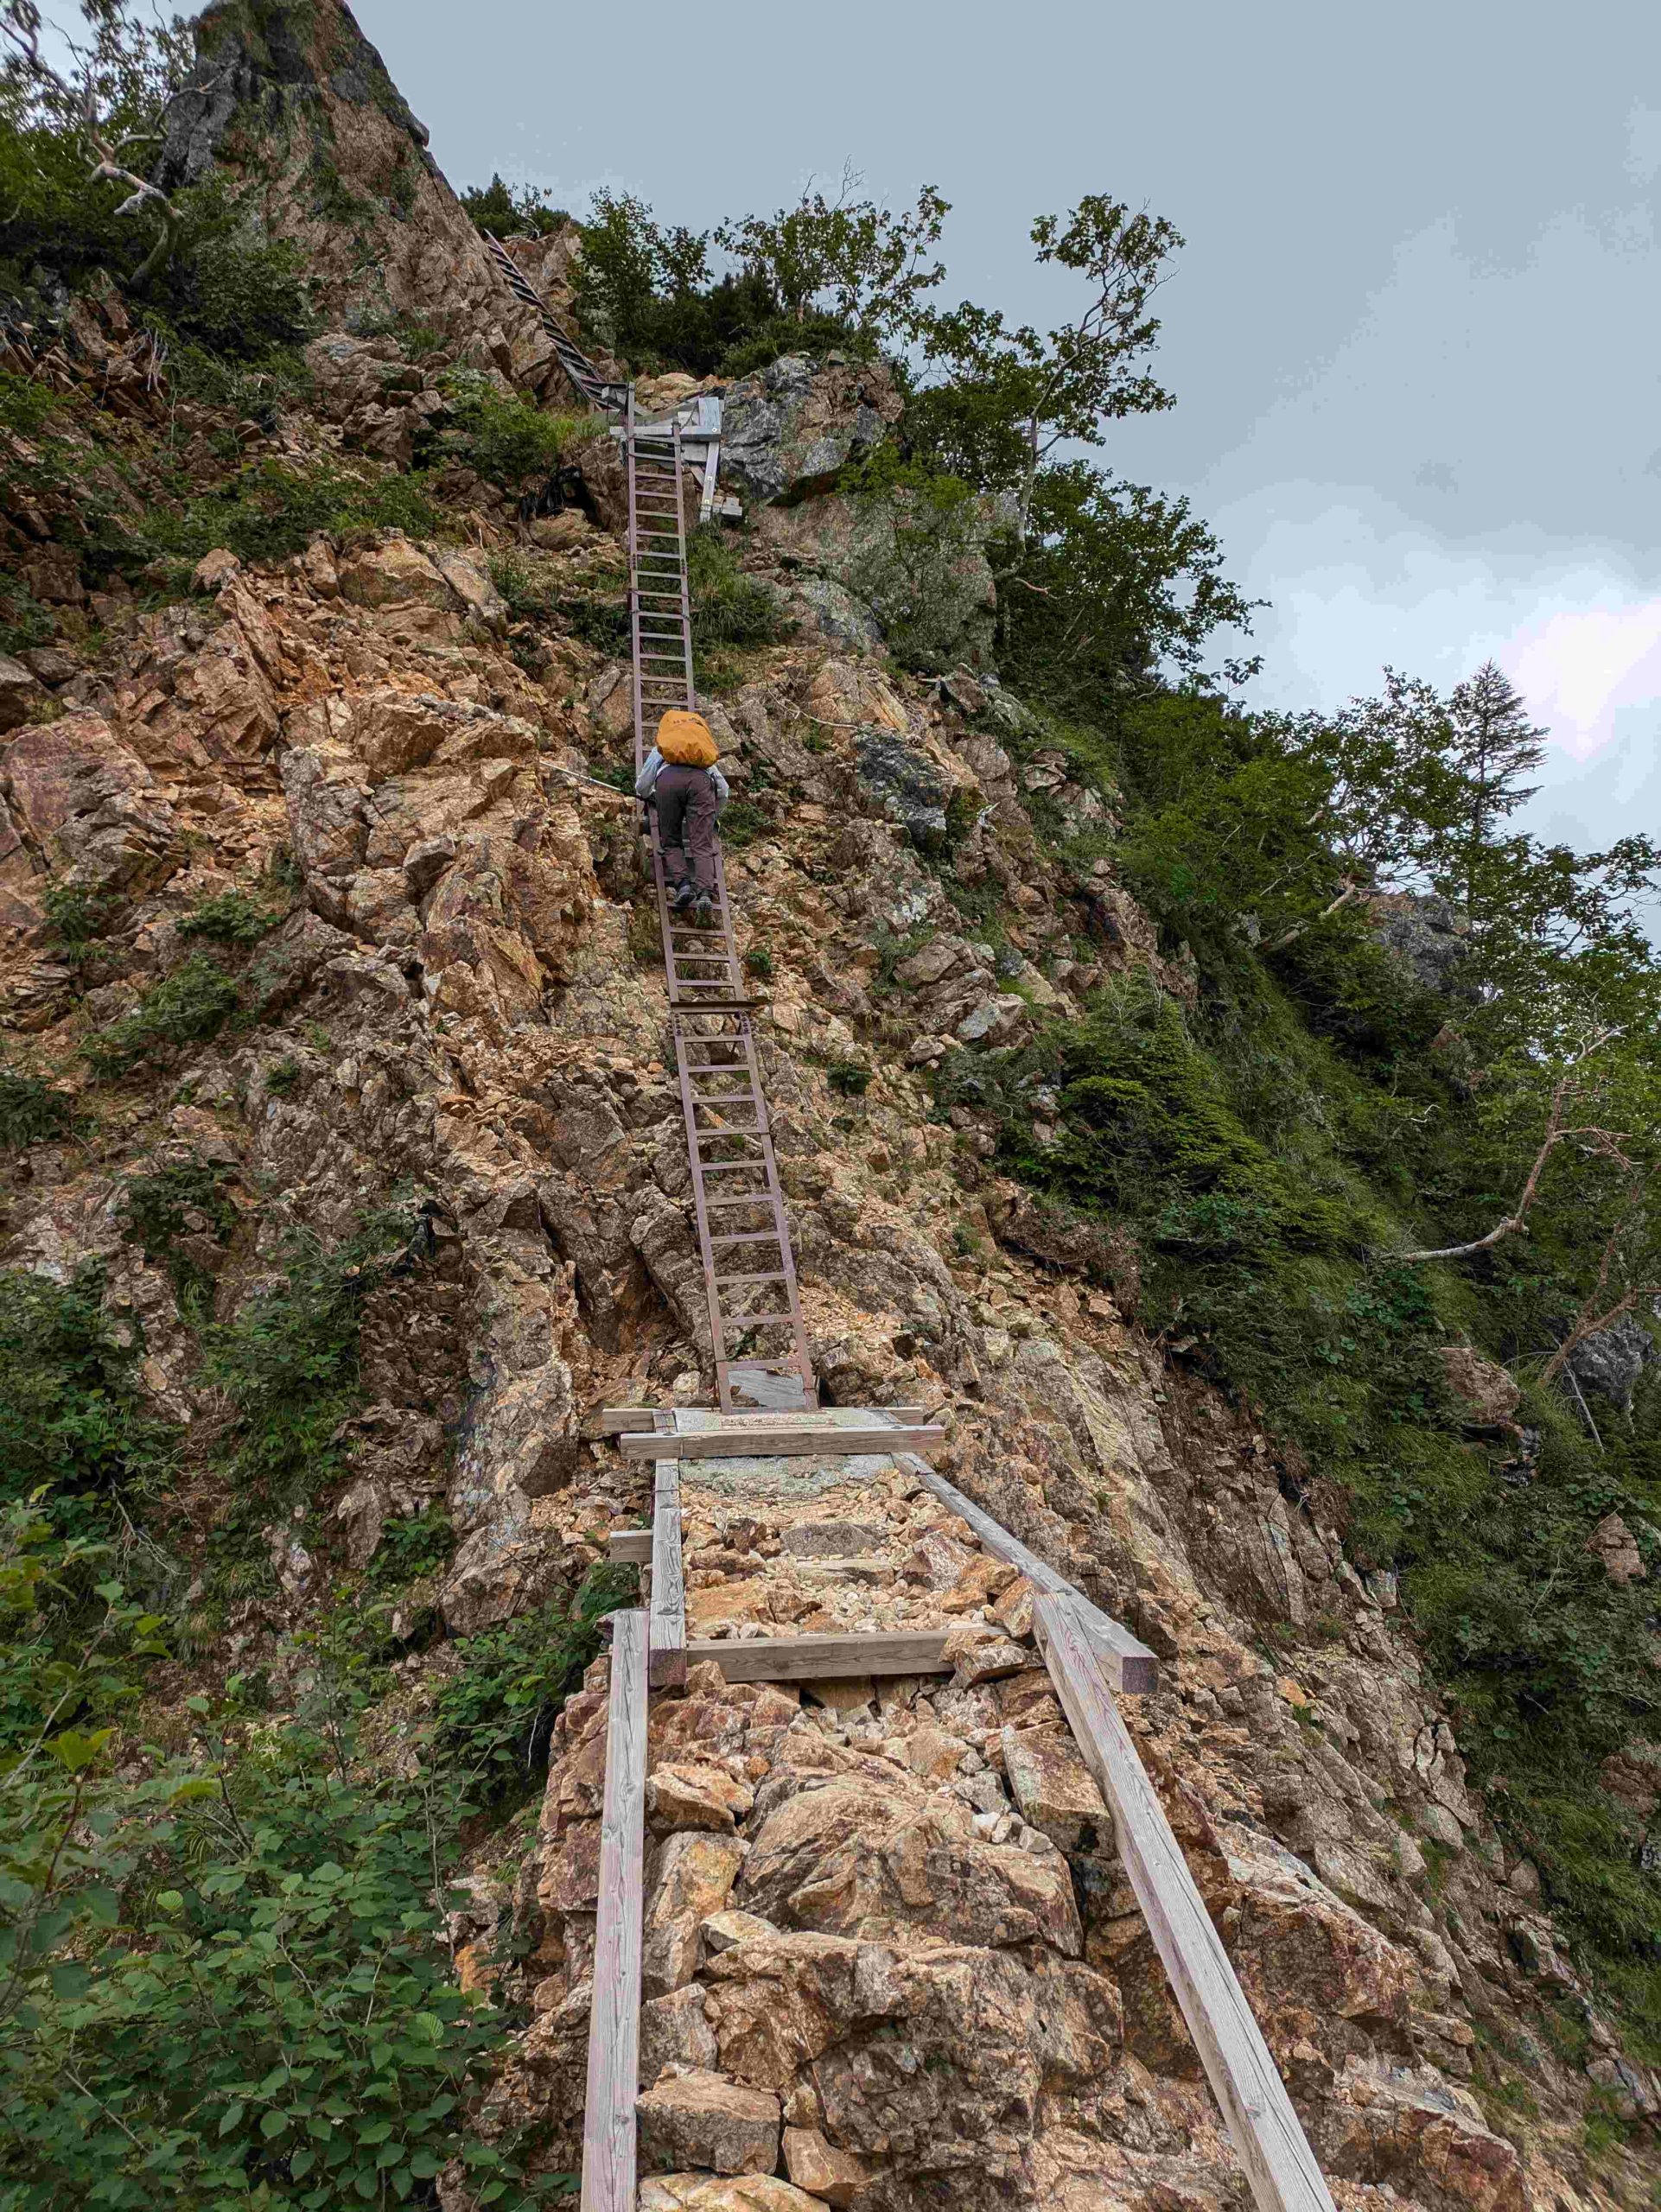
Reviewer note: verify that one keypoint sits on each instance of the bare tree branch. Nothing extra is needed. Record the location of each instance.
(1603, 1141)
(20, 24)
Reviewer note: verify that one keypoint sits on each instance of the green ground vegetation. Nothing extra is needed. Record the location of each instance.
(223, 1970)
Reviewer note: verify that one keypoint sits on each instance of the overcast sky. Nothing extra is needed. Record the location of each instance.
(1413, 334)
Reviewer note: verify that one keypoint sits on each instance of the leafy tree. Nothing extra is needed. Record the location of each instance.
(1113, 580)
(631, 265)
(510, 211)
(1011, 397)
(849, 258)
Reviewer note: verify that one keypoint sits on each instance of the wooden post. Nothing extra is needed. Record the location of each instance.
(668, 1624)
(609, 2131)
(1128, 1665)
(1265, 2130)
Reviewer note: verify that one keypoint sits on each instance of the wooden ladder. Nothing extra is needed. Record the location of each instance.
(756, 1328)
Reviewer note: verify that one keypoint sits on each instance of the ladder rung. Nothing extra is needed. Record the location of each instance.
(735, 1322)
(740, 1282)
(747, 1236)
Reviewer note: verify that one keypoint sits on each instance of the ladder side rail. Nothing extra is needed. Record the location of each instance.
(1267, 2134)
(610, 2140)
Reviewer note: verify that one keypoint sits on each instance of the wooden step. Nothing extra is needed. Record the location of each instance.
(824, 1658)
(774, 1441)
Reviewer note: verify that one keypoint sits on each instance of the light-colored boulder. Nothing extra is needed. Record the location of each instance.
(688, 1878)
(790, 427)
(675, 2037)
(1054, 1788)
(1490, 1395)
(684, 1795)
(977, 1653)
(1613, 1543)
(703, 2120)
(86, 800)
(21, 696)
(742, 2193)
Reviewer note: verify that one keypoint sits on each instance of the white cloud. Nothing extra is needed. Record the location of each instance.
(1355, 585)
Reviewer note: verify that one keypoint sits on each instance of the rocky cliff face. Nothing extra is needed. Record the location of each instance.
(292, 107)
(454, 1004)
(892, 1954)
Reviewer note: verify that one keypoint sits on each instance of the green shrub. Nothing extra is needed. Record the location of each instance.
(186, 1197)
(233, 289)
(79, 923)
(742, 822)
(528, 595)
(279, 2021)
(229, 918)
(511, 442)
(491, 1720)
(23, 621)
(186, 1007)
(74, 1415)
(287, 1363)
(414, 1545)
(509, 211)
(758, 962)
(848, 1078)
(284, 1079)
(273, 508)
(31, 1110)
(729, 607)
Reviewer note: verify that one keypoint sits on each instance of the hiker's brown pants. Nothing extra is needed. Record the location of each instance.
(686, 825)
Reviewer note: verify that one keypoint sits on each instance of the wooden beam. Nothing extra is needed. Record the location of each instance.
(760, 1443)
(1128, 1664)
(618, 1421)
(630, 1547)
(637, 1421)
(609, 2131)
(1265, 2130)
(824, 1658)
(667, 1669)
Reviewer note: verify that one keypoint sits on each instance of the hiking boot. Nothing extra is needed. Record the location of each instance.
(681, 898)
(703, 912)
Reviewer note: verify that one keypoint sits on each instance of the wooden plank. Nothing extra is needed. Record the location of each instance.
(667, 1669)
(1128, 1665)
(1265, 2130)
(608, 2133)
(824, 1658)
(630, 1547)
(764, 1443)
(618, 1421)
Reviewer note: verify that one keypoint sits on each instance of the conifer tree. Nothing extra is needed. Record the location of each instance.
(1493, 746)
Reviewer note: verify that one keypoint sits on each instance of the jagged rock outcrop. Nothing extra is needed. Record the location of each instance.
(787, 431)
(1426, 933)
(293, 107)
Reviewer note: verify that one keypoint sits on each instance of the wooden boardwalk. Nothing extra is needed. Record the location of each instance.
(761, 1356)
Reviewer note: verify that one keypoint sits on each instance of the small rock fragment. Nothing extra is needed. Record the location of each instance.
(815, 2165)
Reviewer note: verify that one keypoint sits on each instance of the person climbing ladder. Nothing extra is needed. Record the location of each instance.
(679, 776)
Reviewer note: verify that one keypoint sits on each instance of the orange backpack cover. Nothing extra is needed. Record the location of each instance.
(687, 740)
